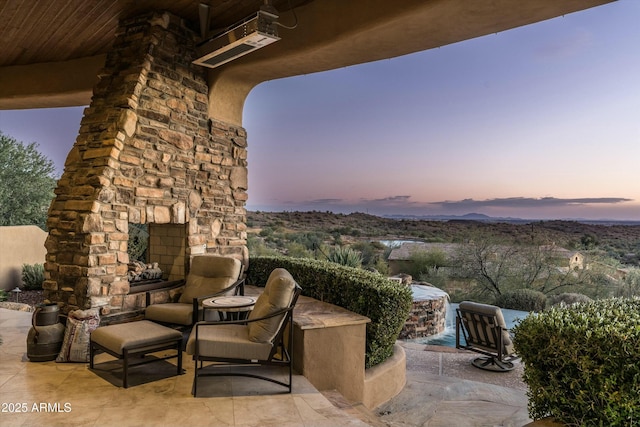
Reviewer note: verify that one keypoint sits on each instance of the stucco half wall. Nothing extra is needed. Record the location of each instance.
(19, 245)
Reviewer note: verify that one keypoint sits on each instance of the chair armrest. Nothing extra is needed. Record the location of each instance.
(287, 312)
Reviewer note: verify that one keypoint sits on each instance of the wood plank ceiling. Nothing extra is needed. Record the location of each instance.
(40, 31)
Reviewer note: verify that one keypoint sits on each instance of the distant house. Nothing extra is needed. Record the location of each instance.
(565, 258)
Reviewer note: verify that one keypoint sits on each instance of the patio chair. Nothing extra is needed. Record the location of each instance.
(257, 341)
(484, 331)
(209, 276)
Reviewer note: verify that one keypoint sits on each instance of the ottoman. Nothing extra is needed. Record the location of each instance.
(135, 339)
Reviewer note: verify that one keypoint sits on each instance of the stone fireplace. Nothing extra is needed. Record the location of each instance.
(146, 153)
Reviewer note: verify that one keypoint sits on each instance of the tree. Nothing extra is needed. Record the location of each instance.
(27, 182)
(491, 265)
(630, 284)
(424, 263)
(588, 241)
(497, 267)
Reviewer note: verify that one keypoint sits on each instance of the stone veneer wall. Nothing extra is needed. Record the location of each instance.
(427, 317)
(146, 153)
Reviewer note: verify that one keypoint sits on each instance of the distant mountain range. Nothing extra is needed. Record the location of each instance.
(485, 218)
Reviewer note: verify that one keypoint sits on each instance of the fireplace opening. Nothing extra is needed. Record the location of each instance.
(138, 242)
(157, 252)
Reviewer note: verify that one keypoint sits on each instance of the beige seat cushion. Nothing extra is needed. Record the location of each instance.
(132, 335)
(278, 293)
(229, 341)
(490, 310)
(209, 274)
(178, 313)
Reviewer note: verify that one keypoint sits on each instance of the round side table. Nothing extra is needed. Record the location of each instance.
(234, 307)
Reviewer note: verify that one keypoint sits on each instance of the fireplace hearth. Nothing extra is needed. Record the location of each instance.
(141, 272)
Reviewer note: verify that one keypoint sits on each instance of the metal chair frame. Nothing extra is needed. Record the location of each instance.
(280, 355)
(488, 334)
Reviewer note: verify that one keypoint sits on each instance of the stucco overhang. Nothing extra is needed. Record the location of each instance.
(330, 34)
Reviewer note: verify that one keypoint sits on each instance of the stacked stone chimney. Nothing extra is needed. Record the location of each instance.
(146, 153)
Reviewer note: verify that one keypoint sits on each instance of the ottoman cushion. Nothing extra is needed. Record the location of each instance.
(132, 335)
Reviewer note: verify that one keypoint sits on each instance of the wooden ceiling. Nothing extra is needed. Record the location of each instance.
(39, 31)
(52, 50)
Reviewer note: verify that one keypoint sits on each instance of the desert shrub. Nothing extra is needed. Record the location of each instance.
(522, 299)
(363, 292)
(32, 276)
(630, 284)
(346, 256)
(371, 253)
(257, 246)
(567, 298)
(425, 263)
(381, 267)
(4, 295)
(297, 250)
(582, 363)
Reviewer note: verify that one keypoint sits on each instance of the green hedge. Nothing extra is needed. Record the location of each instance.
(582, 363)
(567, 298)
(384, 302)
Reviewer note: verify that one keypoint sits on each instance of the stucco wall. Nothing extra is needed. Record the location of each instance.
(20, 244)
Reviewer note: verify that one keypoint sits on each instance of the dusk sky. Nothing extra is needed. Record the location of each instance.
(539, 122)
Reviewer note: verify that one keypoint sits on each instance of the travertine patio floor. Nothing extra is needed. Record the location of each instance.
(435, 394)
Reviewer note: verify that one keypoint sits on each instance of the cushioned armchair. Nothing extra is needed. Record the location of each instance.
(208, 276)
(485, 332)
(258, 340)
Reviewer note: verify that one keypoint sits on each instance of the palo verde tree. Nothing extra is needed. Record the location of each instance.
(26, 183)
(491, 265)
(497, 267)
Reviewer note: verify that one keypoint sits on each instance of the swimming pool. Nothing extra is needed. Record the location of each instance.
(448, 337)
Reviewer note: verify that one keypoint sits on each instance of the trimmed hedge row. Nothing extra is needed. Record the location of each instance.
(386, 303)
(582, 363)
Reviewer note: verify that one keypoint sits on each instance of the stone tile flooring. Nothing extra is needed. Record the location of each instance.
(442, 390)
(72, 395)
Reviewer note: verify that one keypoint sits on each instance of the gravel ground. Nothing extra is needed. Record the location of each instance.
(27, 297)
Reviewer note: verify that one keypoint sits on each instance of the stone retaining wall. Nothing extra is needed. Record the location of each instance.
(426, 318)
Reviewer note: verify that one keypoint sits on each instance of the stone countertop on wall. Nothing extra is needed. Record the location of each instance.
(310, 313)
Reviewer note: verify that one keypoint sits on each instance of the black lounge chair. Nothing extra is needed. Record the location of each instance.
(484, 331)
(259, 340)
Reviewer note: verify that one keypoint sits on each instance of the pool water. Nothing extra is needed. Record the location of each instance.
(448, 337)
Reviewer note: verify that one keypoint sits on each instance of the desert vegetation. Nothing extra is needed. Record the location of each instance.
(492, 261)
